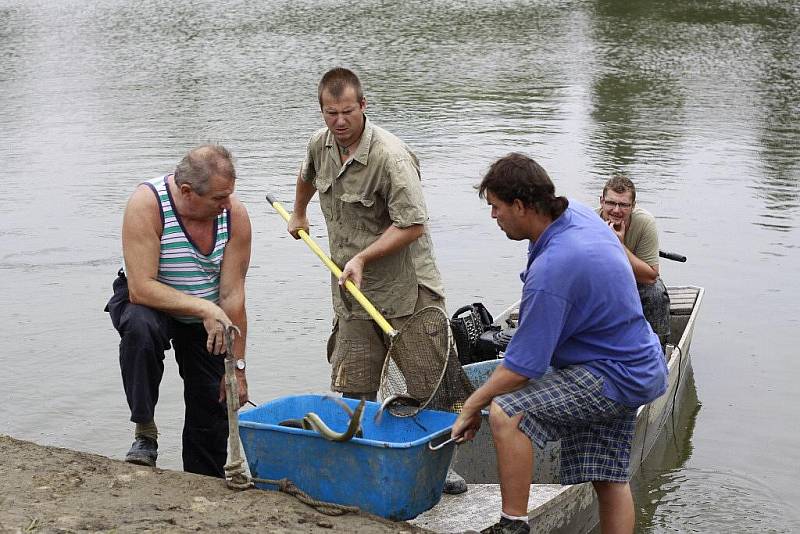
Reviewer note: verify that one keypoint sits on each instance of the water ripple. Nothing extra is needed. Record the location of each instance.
(709, 500)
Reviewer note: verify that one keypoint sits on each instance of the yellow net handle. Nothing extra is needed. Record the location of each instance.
(337, 272)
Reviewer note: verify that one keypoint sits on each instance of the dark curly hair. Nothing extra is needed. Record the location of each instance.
(516, 176)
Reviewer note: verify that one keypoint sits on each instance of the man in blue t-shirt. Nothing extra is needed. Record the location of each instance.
(579, 315)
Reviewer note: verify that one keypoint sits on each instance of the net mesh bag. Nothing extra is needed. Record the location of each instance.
(421, 369)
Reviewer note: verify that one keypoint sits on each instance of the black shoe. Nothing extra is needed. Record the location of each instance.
(508, 526)
(454, 483)
(144, 451)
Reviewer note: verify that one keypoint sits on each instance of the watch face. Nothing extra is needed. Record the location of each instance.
(240, 364)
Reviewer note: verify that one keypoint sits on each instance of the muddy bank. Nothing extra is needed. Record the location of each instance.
(49, 489)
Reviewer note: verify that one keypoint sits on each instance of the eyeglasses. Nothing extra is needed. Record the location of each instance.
(621, 205)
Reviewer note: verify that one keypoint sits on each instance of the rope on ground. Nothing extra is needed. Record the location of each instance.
(236, 477)
(328, 508)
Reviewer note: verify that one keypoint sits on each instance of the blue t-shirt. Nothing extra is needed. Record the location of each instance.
(580, 306)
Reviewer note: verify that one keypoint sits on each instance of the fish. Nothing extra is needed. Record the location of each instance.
(312, 421)
(399, 405)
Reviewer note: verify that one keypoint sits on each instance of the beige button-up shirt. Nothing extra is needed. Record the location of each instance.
(377, 187)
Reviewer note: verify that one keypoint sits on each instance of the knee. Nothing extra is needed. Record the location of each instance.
(608, 491)
(141, 323)
(500, 422)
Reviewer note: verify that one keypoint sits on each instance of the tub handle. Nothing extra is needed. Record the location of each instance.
(442, 444)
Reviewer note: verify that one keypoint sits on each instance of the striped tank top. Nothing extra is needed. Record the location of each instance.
(181, 264)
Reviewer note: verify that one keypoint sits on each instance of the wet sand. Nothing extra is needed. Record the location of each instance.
(49, 489)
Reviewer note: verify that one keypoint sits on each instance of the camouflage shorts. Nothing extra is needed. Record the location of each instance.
(655, 305)
(357, 348)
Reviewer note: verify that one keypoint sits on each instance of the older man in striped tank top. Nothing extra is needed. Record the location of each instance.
(186, 245)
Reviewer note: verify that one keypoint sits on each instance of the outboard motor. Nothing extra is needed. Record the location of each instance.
(477, 338)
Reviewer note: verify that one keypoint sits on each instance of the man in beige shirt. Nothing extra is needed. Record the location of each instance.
(370, 193)
(636, 230)
(371, 196)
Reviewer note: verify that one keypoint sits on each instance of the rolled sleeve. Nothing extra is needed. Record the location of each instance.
(314, 153)
(647, 248)
(307, 169)
(405, 200)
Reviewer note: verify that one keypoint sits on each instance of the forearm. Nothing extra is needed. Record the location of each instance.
(159, 296)
(304, 192)
(392, 240)
(501, 381)
(235, 265)
(234, 308)
(233, 305)
(644, 273)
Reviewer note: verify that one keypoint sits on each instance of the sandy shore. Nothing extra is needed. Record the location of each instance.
(49, 489)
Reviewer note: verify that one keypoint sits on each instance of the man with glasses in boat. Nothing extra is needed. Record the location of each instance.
(582, 360)
(636, 229)
(370, 194)
(186, 245)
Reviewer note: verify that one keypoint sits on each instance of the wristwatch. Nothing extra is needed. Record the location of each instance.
(240, 364)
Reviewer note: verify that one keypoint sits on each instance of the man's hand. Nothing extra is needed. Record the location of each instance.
(618, 229)
(297, 223)
(241, 380)
(466, 426)
(215, 323)
(501, 381)
(391, 241)
(354, 270)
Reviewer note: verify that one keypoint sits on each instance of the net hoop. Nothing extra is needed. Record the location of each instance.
(406, 373)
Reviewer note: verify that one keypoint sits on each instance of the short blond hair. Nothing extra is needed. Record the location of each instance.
(620, 184)
(336, 80)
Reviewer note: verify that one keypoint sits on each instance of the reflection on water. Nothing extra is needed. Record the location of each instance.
(742, 55)
(697, 101)
(699, 500)
(672, 495)
(653, 484)
(636, 93)
(778, 95)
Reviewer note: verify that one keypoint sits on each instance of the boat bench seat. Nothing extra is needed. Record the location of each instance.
(681, 300)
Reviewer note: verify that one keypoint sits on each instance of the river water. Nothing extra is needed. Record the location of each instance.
(699, 102)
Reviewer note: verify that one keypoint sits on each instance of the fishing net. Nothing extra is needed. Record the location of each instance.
(421, 369)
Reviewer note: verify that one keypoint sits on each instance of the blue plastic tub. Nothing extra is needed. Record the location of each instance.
(390, 472)
(478, 373)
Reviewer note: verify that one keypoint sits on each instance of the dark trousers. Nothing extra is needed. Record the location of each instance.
(145, 334)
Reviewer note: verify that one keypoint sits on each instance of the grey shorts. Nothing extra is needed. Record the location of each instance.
(357, 348)
(595, 432)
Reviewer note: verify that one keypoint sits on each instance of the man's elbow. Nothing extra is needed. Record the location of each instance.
(416, 231)
(648, 277)
(232, 302)
(135, 294)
